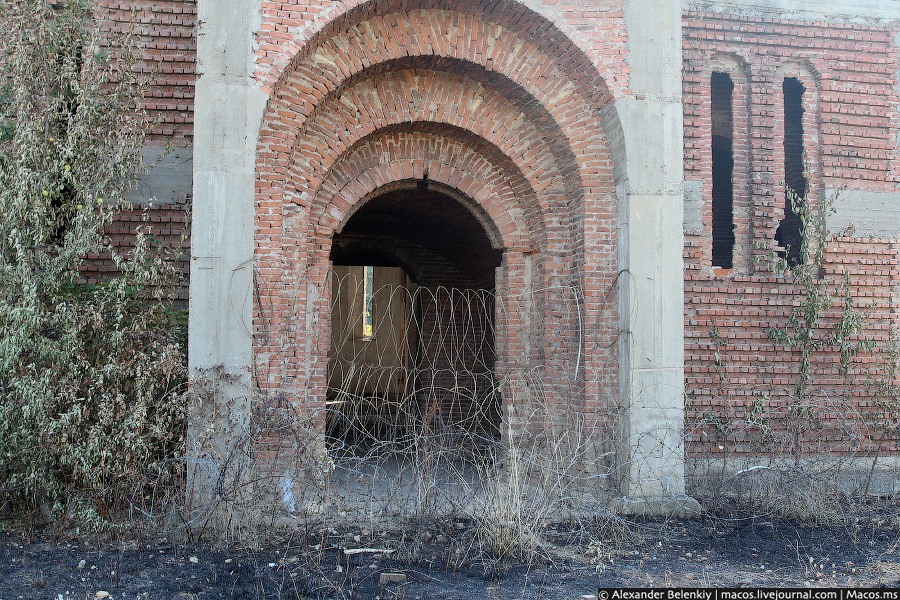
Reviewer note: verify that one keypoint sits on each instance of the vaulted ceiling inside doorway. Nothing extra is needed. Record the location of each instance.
(436, 239)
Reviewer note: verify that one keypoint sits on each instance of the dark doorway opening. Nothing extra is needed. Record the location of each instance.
(412, 351)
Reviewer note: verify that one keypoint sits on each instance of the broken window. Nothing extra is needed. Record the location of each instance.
(790, 230)
(722, 88)
(368, 295)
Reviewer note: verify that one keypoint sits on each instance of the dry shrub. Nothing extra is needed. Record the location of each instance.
(91, 376)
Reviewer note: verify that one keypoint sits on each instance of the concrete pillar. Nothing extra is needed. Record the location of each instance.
(651, 244)
(229, 108)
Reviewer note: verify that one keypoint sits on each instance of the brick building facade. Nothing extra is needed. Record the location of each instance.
(613, 172)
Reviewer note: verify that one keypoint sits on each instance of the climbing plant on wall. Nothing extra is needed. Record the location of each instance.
(825, 319)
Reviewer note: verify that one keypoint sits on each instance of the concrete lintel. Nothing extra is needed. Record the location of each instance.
(869, 214)
(854, 10)
(168, 178)
(873, 474)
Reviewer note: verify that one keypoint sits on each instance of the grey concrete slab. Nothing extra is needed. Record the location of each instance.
(654, 141)
(655, 261)
(169, 176)
(865, 10)
(654, 49)
(655, 466)
(693, 199)
(869, 214)
(651, 214)
(228, 112)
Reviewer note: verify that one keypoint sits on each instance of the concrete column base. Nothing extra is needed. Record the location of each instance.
(678, 505)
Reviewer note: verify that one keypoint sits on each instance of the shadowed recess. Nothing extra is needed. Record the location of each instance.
(424, 223)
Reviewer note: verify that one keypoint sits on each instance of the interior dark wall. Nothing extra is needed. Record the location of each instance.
(436, 239)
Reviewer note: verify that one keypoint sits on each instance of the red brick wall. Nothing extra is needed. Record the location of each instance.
(309, 53)
(165, 35)
(734, 368)
(740, 382)
(165, 32)
(168, 225)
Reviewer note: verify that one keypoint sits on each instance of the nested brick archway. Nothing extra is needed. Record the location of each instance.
(422, 162)
(514, 127)
(412, 300)
(508, 105)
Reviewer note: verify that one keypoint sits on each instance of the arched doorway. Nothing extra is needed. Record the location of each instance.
(412, 353)
(510, 87)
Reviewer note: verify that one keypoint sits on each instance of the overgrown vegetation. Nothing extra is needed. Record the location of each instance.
(807, 453)
(91, 376)
(825, 322)
(805, 329)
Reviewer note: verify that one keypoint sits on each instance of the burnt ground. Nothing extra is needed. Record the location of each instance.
(444, 560)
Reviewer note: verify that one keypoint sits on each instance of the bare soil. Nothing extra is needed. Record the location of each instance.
(444, 561)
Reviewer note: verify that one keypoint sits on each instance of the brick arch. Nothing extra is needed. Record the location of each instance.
(399, 175)
(290, 259)
(529, 18)
(500, 124)
(283, 134)
(543, 105)
(451, 156)
(511, 334)
(467, 166)
(573, 108)
(357, 175)
(506, 233)
(730, 62)
(482, 79)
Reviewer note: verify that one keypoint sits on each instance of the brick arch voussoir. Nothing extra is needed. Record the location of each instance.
(528, 17)
(498, 123)
(568, 112)
(552, 90)
(734, 63)
(495, 180)
(276, 142)
(497, 217)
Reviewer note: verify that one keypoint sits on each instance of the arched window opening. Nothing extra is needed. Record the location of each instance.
(721, 91)
(790, 230)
